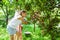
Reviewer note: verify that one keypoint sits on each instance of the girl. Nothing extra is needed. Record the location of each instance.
(13, 24)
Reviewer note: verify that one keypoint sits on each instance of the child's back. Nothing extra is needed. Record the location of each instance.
(14, 23)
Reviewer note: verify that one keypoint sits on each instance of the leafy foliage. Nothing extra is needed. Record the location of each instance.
(41, 12)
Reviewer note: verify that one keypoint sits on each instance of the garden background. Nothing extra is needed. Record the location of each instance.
(45, 25)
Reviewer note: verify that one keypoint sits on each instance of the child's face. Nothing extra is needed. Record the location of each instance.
(23, 14)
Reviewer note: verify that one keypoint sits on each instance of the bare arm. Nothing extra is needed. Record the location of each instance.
(23, 21)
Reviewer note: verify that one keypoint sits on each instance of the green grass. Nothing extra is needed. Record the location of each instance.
(3, 34)
(34, 35)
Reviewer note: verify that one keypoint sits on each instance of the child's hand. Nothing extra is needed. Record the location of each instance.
(24, 22)
(19, 27)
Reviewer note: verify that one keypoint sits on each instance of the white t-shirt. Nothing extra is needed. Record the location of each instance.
(14, 23)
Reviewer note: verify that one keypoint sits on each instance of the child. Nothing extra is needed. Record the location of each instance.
(11, 27)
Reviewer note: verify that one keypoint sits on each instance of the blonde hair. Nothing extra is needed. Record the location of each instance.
(17, 14)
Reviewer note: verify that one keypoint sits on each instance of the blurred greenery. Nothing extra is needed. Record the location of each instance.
(35, 35)
(45, 25)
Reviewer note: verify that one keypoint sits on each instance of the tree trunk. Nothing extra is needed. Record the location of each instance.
(6, 15)
(53, 36)
(34, 27)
